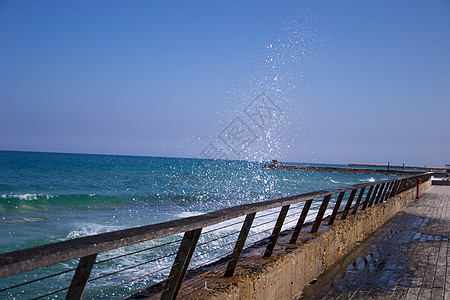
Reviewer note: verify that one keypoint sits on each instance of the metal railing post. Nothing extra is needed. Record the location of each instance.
(181, 264)
(361, 193)
(320, 213)
(337, 205)
(276, 231)
(349, 204)
(301, 221)
(239, 246)
(81, 277)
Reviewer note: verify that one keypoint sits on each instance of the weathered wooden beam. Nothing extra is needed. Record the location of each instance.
(337, 205)
(276, 231)
(380, 193)
(300, 222)
(349, 204)
(374, 195)
(367, 199)
(239, 246)
(81, 277)
(358, 201)
(181, 264)
(320, 213)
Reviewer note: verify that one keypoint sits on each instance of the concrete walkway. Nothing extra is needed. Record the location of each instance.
(407, 258)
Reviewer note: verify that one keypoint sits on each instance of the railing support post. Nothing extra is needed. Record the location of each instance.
(361, 193)
(406, 185)
(81, 277)
(386, 188)
(380, 193)
(320, 213)
(349, 204)
(337, 205)
(418, 188)
(367, 199)
(301, 221)
(374, 195)
(388, 191)
(386, 194)
(399, 187)
(239, 246)
(394, 189)
(276, 231)
(181, 264)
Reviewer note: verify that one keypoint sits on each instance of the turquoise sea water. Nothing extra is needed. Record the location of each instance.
(50, 197)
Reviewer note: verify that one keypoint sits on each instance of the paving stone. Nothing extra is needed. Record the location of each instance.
(437, 294)
(408, 257)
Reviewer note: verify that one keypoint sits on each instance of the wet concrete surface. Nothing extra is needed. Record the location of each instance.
(407, 258)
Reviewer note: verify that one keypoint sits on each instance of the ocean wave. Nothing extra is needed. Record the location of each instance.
(292, 180)
(371, 179)
(22, 220)
(88, 229)
(27, 196)
(187, 214)
(185, 197)
(44, 202)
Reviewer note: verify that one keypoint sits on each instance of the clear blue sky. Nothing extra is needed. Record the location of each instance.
(357, 81)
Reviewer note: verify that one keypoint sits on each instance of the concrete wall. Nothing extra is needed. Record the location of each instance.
(292, 267)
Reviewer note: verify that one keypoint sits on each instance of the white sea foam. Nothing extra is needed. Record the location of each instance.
(27, 196)
(291, 180)
(371, 179)
(87, 229)
(187, 214)
(22, 220)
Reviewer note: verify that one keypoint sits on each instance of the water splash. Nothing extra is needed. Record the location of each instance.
(280, 69)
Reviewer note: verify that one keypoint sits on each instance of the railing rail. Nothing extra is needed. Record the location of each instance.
(87, 248)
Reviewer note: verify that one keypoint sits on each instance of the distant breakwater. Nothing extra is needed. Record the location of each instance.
(340, 170)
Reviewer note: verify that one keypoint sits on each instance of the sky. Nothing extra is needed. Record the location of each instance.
(301, 81)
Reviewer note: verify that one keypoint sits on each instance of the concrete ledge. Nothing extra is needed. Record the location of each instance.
(292, 267)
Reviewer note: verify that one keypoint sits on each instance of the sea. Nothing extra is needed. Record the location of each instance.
(52, 197)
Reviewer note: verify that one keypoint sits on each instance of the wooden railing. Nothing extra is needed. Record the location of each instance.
(350, 200)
